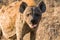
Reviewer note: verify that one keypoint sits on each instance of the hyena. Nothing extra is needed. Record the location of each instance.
(22, 17)
(30, 18)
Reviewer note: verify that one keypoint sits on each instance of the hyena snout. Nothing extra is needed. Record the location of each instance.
(35, 15)
(33, 21)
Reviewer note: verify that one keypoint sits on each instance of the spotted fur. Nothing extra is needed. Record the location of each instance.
(12, 21)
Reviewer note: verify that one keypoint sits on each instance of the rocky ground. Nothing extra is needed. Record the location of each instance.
(49, 27)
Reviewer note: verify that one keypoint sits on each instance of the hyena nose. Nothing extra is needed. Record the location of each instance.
(33, 21)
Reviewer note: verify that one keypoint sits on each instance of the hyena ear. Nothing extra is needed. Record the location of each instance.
(22, 7)
(42, 6)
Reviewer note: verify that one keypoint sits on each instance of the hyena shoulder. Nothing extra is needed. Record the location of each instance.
(8, 16)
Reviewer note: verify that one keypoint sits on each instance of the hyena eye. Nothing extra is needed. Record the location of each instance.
(28, 14)
(22, 7)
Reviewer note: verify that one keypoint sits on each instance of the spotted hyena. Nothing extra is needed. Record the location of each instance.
(22, 17)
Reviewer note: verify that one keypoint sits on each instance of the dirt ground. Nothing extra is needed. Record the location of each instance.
(49, 27)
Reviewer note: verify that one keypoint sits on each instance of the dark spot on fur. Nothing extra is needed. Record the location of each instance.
(3, 11)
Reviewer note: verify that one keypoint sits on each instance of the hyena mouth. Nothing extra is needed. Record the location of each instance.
(34, 26)
(34, 23)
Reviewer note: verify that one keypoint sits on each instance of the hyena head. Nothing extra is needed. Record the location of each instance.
(32, 12)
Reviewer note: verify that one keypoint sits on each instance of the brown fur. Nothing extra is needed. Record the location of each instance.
(12, 21)
(8, 18)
